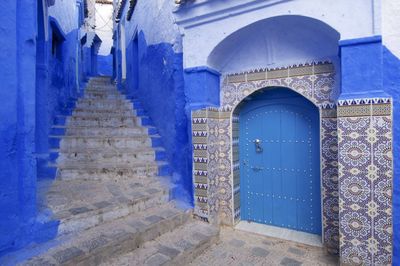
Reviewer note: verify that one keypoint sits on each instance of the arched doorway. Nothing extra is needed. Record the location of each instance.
(279, 155)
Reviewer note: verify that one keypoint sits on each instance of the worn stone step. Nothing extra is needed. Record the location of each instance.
(106, 131)
(115, 102)
(135, 172)
(105, 96)
(105, 122)
(105, 241)
(138, 141)
(60, 130)
(102, 117)
(109, 112)
(101, 155)
(60, 195)
(178, 247)
(78, 218)
(106, 104)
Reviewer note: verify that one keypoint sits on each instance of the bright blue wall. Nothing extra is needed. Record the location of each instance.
(391, 85)
(35, 87)
(160, 88)
(361, 67)
(104, 65)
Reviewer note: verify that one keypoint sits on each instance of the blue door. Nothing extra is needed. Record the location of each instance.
(280, 161)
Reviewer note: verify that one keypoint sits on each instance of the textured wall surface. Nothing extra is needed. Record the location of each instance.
(39, 82)
(155, 77)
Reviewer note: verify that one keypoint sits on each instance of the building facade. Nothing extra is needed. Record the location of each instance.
(48, 52)
(275, 112)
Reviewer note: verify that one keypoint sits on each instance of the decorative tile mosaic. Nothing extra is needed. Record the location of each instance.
(365, 181)
(222, 200)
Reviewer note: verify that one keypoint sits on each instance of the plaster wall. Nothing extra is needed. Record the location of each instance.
(104, 27)
(155, 77)
(8, 126)
(66, 14)
(29, 109)
(213, 21)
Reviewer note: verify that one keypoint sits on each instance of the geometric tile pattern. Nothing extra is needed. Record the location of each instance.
(365, 181)
(215, 142)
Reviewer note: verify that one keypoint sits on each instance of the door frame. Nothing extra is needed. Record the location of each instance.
(215, 142)
(248, 99)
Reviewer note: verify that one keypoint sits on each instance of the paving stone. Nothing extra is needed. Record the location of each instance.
(168, 251)
(95, 242)
(123, 199)
(152, 190)
(119, 235)
(67, 254)
(296, 251)
(102, 204)
(138, 225)
(157, 259)
(80, 210)
(135, 185)
(153, 219)
(199, 237)
(259, 252)
(266, 242)
(137, 195)
(114, 189)
(183, 244)
(237, 243)
(167, 213)
(39, 262)
(290, 262)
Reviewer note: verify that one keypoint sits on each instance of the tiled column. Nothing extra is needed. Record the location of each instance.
(365, 181)
(329, 171)
(200, 159)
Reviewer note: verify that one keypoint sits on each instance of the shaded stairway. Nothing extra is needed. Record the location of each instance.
(110, 195)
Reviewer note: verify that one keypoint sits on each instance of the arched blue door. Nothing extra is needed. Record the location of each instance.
(280, 161)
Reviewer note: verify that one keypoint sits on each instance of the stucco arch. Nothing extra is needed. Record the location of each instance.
(276, 41)
(205, 24)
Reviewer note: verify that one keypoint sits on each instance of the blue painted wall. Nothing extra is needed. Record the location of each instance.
(155, 77)
(104, 65)
(391, 85)
(36, 85)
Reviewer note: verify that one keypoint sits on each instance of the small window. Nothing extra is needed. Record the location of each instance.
(56, 46)
(57, 40)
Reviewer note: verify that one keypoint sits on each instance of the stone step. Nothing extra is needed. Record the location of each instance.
(105, 131)
(126, 156)
(105, 241)
(104, 122)
(61, 195)
(133, 141)
(106, 104)
(178, 247)
(79, 215)
(98, 172)
(115, 102)
(110, 112)
(103, 96)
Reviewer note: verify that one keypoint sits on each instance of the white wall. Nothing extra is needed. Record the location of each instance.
(104, 27)
(205, 23)
(391, 25)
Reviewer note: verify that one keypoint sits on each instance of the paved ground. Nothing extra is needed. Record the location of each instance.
(240, 248)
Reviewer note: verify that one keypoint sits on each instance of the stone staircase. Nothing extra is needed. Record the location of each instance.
(110, 197)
